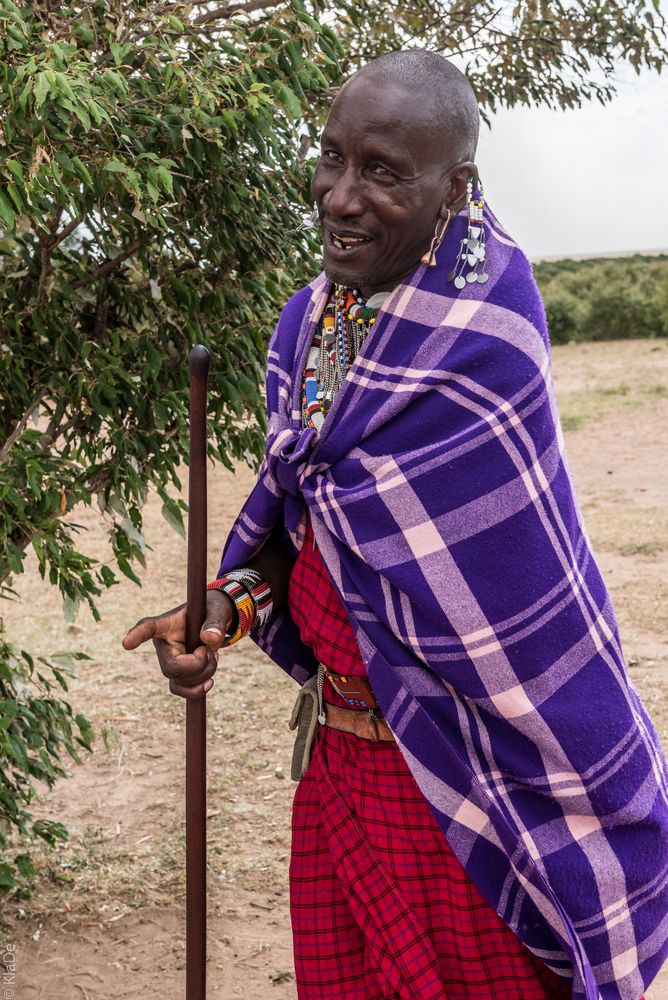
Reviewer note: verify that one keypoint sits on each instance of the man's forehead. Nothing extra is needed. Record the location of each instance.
(381, 104)
(392, 110)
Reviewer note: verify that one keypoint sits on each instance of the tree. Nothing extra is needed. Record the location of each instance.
(149, 175)
(153, 174)
(529, 52)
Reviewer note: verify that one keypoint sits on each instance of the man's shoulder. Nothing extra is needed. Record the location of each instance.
(298, 303)
(296, 311)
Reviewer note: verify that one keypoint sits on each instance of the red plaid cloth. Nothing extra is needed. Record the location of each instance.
(319, 613)
(381, 908)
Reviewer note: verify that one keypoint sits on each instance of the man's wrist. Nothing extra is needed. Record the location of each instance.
(259, 590)
(251, 601)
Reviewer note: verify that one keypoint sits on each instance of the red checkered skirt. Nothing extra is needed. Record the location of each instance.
(381, 907)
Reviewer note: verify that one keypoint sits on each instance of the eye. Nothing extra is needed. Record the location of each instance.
(330, 156)
(378, 170)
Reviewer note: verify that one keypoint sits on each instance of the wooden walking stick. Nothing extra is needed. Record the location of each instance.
(198, 367)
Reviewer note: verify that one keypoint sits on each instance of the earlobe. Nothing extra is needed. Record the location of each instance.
(429, 258)
(448, 203)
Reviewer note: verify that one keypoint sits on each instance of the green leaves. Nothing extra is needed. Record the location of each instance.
(149, 178)
(287, 98)
(37, 729)
(40, 89)
(7, 213)
(551, 53)
(116, 167)
(172, 511)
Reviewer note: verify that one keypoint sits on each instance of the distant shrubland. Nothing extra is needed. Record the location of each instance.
(605, 298)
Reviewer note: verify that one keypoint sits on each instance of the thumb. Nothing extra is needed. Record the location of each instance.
(219, 617)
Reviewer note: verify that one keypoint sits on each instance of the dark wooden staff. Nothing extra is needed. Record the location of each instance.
(198, 367)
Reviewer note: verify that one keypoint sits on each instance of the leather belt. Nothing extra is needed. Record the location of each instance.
(369, 725)
(353, 689)
(311, 710)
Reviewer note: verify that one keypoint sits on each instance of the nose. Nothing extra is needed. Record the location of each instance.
(344, 197)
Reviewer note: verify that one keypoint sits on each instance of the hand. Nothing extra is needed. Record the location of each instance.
(190, 674)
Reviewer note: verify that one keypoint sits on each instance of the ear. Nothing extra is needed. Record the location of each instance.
(454, 195)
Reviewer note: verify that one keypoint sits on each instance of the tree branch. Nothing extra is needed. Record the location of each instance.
(101, 316)
(20, 426)
(108, 266)
(223, 13)
(67, 230)
(46, 245)
(112, 264)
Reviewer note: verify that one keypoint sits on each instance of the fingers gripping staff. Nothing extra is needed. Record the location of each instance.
(198, 365)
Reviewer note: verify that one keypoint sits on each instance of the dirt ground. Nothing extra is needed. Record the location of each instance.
(106, 921)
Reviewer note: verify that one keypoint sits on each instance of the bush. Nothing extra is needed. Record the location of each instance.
(37, 727)
(616, 313)
(150, 169)
(563, 318)
(605, 298)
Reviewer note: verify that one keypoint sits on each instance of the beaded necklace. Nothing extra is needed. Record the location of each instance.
(336, 343)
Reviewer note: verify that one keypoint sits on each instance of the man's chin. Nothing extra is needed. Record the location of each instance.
(347, 277)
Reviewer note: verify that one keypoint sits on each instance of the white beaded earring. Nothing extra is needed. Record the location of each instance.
(472, 248)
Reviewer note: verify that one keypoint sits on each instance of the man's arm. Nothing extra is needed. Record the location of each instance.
(274, 563)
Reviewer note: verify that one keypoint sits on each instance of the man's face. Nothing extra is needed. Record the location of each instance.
(379, 184)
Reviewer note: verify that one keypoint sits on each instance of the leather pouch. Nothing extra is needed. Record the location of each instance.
(304, 719)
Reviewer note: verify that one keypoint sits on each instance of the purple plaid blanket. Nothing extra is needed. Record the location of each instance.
(441, 500)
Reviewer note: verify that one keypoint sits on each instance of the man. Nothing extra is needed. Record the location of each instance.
(484, 811)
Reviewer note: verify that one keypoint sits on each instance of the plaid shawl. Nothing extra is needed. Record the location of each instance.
(441, 500)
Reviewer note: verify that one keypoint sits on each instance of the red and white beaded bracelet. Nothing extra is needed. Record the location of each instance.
(243, 603)
(242, 585)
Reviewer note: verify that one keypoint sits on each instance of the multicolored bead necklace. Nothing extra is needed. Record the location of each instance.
(337, 341)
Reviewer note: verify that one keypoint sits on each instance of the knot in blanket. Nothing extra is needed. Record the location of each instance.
(288, 457)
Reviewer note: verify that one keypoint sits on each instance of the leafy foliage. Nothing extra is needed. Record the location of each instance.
(149, 178)
(548, 52)
(147, 182)
(605, 299)
(35, 728)
(153, 171)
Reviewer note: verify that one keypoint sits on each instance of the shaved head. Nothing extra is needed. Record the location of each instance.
(448, 98)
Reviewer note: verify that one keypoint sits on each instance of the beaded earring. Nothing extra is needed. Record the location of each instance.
(429, 258)
(472, 247)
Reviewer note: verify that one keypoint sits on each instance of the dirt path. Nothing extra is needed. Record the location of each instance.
(106, 921)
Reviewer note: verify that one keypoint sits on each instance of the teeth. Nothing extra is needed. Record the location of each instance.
(345, 242)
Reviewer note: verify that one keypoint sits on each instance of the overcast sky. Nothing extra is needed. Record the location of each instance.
(586, 181)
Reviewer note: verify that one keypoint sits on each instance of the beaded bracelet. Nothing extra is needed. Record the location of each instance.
(251, 597)
(243, 603)
(260, 592)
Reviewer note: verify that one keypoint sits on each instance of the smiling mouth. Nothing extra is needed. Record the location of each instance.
(342, 241)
